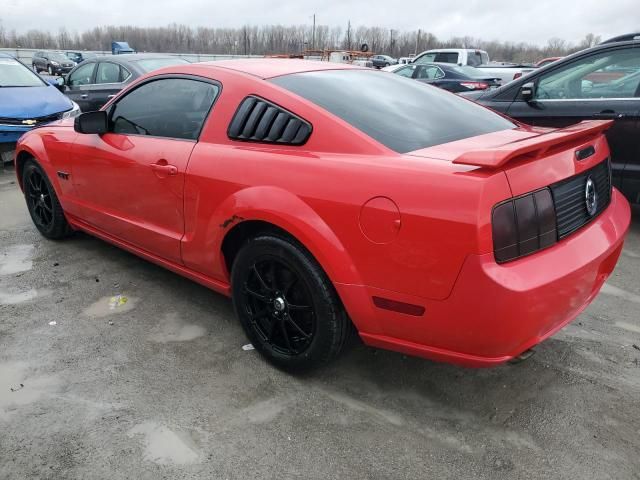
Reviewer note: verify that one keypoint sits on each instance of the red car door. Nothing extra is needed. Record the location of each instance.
(131, 180)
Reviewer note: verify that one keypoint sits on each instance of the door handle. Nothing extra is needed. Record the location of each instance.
(609, 114)
(84, 95)
(164, 168)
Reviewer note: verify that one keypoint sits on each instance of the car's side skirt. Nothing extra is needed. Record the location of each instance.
(214, 284)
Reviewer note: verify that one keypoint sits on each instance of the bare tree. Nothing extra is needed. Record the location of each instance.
(274, 39)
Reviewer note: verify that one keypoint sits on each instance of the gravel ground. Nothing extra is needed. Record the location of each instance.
(160, 387)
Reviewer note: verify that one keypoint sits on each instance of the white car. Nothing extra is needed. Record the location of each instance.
(473, 57)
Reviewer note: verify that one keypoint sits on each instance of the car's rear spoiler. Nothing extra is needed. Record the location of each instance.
(536, 147)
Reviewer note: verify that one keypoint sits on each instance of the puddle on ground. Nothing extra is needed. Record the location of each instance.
(163, 446)
(16, 259)
(12, 375)
(609, 289)
(171, 329)
(106, 306)
(360, 406)
(264, 411)
(13, 298)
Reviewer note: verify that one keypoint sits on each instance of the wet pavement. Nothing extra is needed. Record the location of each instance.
(111, 367)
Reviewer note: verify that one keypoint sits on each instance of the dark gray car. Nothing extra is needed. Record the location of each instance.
(380, 61)
(95, 81)
(54, 63)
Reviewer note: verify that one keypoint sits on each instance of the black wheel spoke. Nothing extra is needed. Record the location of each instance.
(285, 335)
(255, 295)
(260, 279)
(32, 183)
(259, 314)
(297, 327)
(287, 287)
(299, 307)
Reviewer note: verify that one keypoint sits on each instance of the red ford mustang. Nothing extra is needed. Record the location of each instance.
(322, 196)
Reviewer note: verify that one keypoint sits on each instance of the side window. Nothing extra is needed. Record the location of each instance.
(124, 73)
(108, 73)
(406, 71)
(611, 74)
(83, 75)
(169, 107)
(446, 57)
(474, 59)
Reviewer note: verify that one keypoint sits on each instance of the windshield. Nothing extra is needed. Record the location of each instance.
(149, 64)
(58, 57)
(15, 74)
(400, 113)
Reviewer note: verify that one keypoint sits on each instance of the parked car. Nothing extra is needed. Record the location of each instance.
(79, 57)
(404, 60)
(219, 172)
(93, 82)
(26, 101)
(474, 58)
(598, 83)
(54, 63)
(448, 76)
(380, 61)
(546, 61)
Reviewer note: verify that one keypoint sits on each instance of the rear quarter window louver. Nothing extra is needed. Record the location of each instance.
(257, 120)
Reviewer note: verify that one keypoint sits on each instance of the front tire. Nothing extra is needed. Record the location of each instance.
(42, 202)
(287, 305)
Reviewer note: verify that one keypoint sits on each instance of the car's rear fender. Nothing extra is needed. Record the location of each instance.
(281, 209)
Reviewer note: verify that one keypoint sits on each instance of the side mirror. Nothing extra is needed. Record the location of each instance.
(91, 122)
(527, 91)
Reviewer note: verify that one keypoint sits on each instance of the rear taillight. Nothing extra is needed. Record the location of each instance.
(517, 75)
(475, 85)
(523, 225)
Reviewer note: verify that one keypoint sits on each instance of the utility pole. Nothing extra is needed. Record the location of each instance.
(245, 40)
(313, 34)
(415, 52)
(349, 35)
(391, 42)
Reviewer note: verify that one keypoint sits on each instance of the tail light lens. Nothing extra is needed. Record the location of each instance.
(475, 85)
(517, 75)
(523, 225)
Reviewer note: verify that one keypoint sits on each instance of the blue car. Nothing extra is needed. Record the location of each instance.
(26, 101)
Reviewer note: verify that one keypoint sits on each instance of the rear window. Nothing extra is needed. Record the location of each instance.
(400, 113)
(149, 64)
(446, 57)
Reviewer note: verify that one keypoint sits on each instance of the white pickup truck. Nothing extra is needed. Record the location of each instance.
(474, 58)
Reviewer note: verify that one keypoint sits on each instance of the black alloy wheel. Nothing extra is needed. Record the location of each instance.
(280, 306)
(42, 202)
(286, 304)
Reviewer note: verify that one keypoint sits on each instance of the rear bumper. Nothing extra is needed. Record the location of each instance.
(495, 312)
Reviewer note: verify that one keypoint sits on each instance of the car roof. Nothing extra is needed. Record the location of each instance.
(267, 67)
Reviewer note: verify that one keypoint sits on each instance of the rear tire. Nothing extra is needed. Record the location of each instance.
(287, 305)
(42, 202)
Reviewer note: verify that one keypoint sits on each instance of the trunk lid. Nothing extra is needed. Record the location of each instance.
(532, 158)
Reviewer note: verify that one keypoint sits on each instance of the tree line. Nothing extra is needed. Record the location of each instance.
(279, 39)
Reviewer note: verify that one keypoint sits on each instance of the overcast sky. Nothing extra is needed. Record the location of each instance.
(534, 21)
